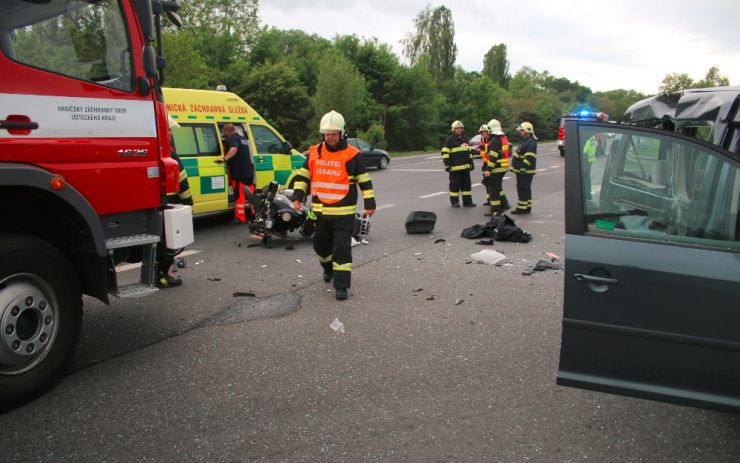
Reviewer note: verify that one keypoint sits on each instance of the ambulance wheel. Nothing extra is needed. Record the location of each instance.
(40, 317)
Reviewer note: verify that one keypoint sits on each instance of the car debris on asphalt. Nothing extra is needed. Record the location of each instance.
(337, 326)
(487, 256)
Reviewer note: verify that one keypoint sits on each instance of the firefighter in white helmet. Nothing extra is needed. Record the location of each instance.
(496, 168)
(524, 164)
(458, 161)
(332, 172)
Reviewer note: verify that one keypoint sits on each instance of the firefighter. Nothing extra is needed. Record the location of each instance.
(484, 148)
(166, 257)
(458, 161)
(496, 168)
(524, 164)
(333, 170)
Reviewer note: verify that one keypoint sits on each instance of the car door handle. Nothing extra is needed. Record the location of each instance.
(593, 279)
(11, 124)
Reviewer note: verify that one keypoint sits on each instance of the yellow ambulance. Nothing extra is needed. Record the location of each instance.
(201, 115)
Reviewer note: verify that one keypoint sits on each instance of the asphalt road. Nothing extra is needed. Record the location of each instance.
(196, 374)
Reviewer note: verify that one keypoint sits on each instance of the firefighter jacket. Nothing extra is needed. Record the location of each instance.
(332, 176)
(498, 157)
(524, 160)
(456, 155)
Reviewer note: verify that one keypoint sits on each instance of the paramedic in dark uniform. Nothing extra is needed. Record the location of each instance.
(241, 169)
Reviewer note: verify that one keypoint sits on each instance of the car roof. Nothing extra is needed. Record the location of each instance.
(702, 104)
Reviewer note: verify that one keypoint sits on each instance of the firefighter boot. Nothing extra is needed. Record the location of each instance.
(341, 293)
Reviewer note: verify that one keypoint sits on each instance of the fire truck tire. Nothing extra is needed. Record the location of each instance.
(40, 317)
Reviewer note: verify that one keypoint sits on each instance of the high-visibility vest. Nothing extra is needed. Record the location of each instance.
(589, 149)
(505, 147)
(329, 179)
(483, 149)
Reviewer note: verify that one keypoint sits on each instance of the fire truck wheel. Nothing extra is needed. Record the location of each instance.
(40, 317)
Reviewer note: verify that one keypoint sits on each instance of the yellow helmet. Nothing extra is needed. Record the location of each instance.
(457, 124)
(483, 128)
(495, 127)
(527, 127)
(332, 122)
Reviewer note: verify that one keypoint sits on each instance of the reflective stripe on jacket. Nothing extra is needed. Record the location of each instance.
(456, 154)
(524, 160)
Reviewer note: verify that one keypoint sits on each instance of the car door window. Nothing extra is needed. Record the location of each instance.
(84, 40)
(362, 145)
(266, 141)
(653, 186)
(196, 140)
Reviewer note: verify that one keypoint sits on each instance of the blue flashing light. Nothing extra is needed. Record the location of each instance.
(584, 113)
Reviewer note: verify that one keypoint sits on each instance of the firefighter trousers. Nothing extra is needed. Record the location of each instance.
(524, 191)
(332, 242)
(495, 190)
(460, 184)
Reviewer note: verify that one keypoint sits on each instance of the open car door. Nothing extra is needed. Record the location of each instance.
(652, 263)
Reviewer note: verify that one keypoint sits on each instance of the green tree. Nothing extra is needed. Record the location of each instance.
(375, 135)
(615, 102)
(713, 79)
(297, 48)
(339, 87)
(186, 68)
(413, 115)
(675, 82)
(434, 36)
(496, 65)
(218, 18)
(274, 90)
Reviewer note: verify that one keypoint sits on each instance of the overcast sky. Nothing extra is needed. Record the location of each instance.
(602, 44)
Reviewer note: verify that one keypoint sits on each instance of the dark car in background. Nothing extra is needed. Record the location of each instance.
(372, 156)
(652, 251)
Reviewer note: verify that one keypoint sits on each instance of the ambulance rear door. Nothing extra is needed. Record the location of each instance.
(272, 161)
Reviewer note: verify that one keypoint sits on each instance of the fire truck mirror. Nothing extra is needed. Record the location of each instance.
(143, 86)
(150, 62)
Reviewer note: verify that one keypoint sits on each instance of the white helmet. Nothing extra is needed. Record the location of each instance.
(527, 127)
(332, 122)
(495, 127)
(172, 122)
(457, 124)
(484, 128)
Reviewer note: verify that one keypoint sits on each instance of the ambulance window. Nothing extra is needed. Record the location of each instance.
(266, 141)
(84, 40)
(195, 140)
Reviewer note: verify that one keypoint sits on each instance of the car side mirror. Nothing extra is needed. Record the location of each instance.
(287, 147)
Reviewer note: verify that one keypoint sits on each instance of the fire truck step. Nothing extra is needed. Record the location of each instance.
(131, 240)
(135, 290)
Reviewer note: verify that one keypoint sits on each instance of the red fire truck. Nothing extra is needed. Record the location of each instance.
(84, 171)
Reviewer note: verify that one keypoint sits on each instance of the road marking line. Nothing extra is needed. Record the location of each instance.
(414, 170)
(541, 170)
(507, 177)
(555, 167)
(385, 206)
(435, 194)
(126, 267)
